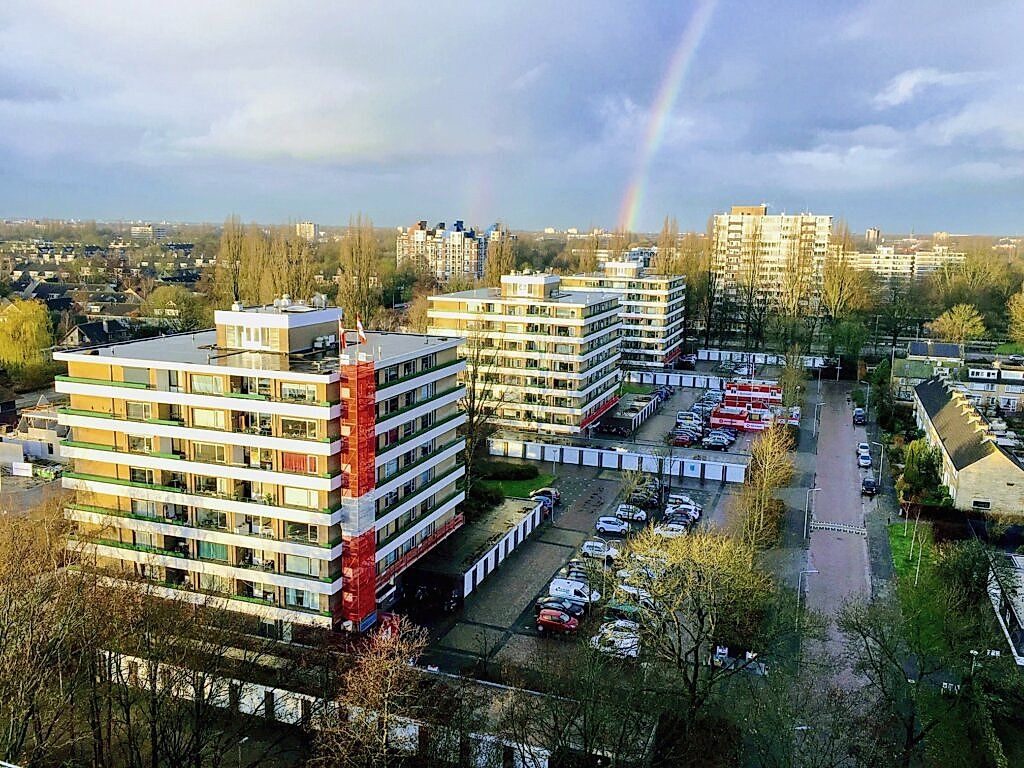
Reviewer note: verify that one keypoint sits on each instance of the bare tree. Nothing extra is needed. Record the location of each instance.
(227, 280)
(358, 291)
(482, 402)
(381, 693)
(501, 258)
(588, 254)
(756, 512)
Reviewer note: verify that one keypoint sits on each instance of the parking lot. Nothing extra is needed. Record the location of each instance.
(657, 427)
(498, 620)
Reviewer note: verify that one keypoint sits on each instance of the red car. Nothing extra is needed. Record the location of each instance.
(683, 440)
(556, 622)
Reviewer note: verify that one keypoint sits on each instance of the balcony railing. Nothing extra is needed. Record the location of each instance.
(414, 554)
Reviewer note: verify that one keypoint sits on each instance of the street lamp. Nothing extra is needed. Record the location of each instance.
(240, 743)
(800, 592)
(807, 510)
(814, 428)
(881, 459)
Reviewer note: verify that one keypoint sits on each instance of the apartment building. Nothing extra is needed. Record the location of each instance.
(254, 468)
(768, 252)
(890, 262)
(447, 253)
(547, 359)
(999, 385)
(652, 311)
(307, 230)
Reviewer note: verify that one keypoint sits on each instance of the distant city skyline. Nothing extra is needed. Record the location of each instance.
(903, 116)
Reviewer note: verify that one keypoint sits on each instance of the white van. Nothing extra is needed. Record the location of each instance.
(570, 589)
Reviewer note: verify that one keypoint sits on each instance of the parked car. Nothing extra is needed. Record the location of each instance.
(631, 512)
(714, 443)
(681, 498)
(576, 591)
(599, 548)
(744, 369)
(863, 460)
(868, 486)
(608, 525)
(574, 573)
(631, 594)
(619, 638)
(729, 438)
(684, 441)
(859, 416)
(670, 530)
(863, 448)
(554, 493)
(556, 622)
(558, 604)
(689, 510)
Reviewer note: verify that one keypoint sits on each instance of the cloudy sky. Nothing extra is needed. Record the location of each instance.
(906, 114)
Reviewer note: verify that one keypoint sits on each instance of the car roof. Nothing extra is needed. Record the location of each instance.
(607, 519)
(548, 613)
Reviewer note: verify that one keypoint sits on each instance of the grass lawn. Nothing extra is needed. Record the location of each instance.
(625, 388)
(522, 488)
(1010, 349)
(901, 539)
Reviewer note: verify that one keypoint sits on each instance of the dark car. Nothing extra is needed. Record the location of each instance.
(859, 416)
(868, 487)
(558, 604)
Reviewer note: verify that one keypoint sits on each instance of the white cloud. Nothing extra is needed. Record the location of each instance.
(906, 85)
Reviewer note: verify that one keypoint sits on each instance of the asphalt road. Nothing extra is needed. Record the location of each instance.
(841, 558)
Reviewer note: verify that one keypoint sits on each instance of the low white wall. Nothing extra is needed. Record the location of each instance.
(491, 559)
(758, 358)
(702, 469)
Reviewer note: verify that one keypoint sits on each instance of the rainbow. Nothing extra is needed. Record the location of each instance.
(662, 109)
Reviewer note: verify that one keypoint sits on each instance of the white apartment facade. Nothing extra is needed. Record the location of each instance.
(307, 230)
(546, 359)
(256, 468)
(653, 309)
(892, 263)
(769, 251)
(447, 253)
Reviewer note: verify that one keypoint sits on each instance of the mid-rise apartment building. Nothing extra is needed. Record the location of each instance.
(307, 230)
(447, 253)
(545, 358)
(652, 311)
(890, 262)
(256, 468)
(766, 253)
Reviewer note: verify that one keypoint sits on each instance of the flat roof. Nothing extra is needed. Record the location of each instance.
(458, 552)
(584, 298)
(199, 348)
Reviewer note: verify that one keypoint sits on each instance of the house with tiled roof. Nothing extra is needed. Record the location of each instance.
(982, 462)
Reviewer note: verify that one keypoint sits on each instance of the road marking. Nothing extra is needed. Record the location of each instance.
(839, 528)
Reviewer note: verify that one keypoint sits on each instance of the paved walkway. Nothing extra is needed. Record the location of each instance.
(841, 558)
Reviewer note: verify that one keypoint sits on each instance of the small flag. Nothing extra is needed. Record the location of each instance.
(341, 337)
(360, 333)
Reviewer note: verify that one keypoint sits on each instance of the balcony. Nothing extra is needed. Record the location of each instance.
(414, 554)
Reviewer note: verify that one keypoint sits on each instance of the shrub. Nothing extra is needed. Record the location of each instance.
(481, 498)
(506, 470)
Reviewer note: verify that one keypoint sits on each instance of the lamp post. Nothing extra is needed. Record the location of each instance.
(881, 458)
(800, 594)
(814, 428)
(807, 510)
(240, 743)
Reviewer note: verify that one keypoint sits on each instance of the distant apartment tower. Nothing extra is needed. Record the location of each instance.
(148, 232)
(307, 230)
(873, 236)
(447, 253)
(761, 252)
(545, 358)
(255, 468)
(894, 263)
(653, 309)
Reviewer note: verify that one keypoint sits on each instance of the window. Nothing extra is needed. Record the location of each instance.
(304, 429)
(140, 475)
(303, 532)
(143, 508)
(207, 418)
(139, 444)
(138, 411)
(207, 385)
(209, 582)
(209, 550)
(301, 598)
(298, 462)
(211, 518)
(208, 452)
(305, 566)
(304, 392)
(145, 539)
(136, 375)
(301, 497)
